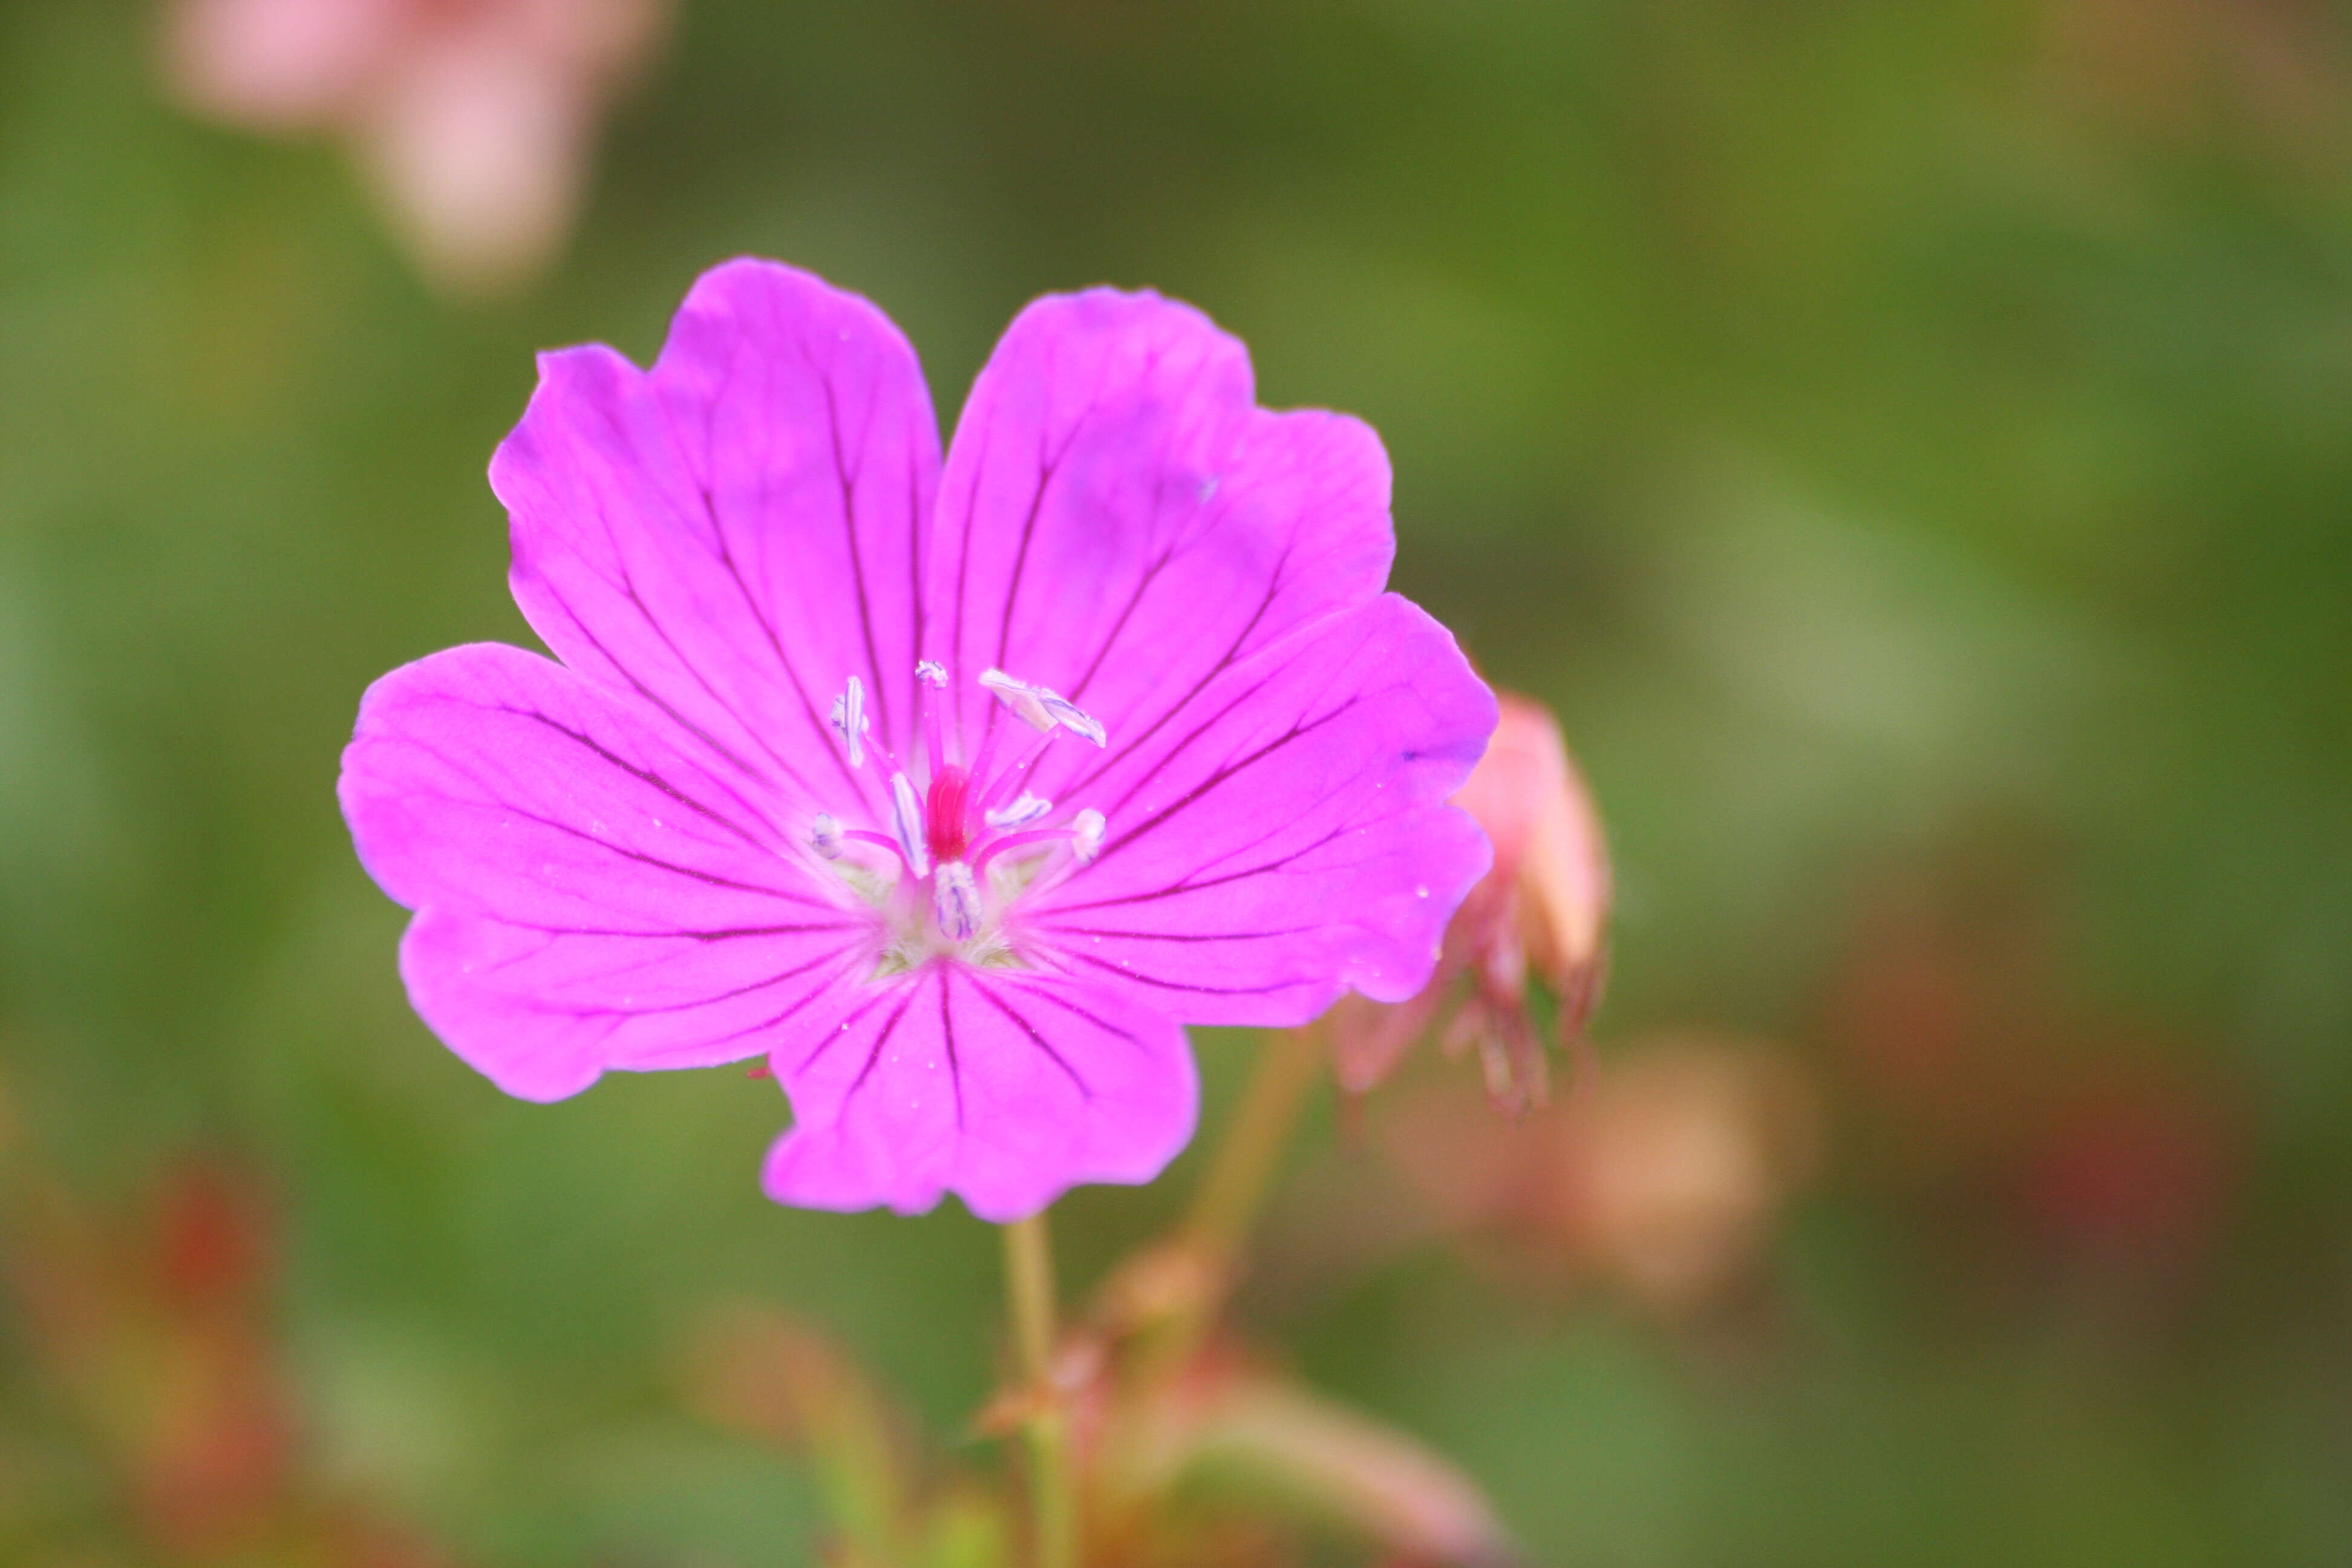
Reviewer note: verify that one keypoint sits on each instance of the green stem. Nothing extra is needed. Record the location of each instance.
(1029, 1292)
(1233, 1188)
(1232, 1191)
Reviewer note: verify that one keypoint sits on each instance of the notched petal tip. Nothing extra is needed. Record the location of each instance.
(1004, 1089)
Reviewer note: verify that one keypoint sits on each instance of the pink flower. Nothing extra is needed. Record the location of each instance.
(955, 793)
(472, 118)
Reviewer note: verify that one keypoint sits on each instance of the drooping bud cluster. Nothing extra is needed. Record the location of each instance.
(1540, 914)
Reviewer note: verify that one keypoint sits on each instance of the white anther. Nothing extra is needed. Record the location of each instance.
(1070, 717)
(1023, 698)
(955, 899)
(1025, 809)
(932, 672)
(849, 720)
(1087, 834)
(906, 825)
(825, 836)
(1041, 708)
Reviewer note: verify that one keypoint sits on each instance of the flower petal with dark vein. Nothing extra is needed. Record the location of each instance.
(953, 790)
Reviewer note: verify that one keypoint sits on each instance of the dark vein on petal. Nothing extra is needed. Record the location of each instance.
(1021, 1022)
(1182, 936)
(626, 587)
(722, 933)
(1189, 886)
(1124, 973)
(642, 689)
(653, 624)
(880, 1040)
(495, 803)
(848, 487)
(559, 1009)
(947, 1029)
(1104, 1025)
(646, 776)
(723, 550)
(1047, 469)
(1118, 627)
(971, 514)
(769, 1022)
(1021, 556)
(1128, 748)
(835, 1033)
(915, 522)
(792, 677)
(1168, 758)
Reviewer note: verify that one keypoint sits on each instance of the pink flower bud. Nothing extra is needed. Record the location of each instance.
(1542, 911)
(1551, 880)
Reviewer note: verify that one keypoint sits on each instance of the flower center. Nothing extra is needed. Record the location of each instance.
(957, 850)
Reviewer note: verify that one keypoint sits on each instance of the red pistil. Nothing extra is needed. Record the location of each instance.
(943, 813)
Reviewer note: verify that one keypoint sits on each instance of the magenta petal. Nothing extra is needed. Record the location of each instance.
(734, 533)
(1119, 519)
(1003, 1087)
(1286, 837)
(590, 893)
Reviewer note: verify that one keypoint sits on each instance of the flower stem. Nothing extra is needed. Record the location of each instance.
(1233, 1188)
(1231, 1193)
(1029, 1292)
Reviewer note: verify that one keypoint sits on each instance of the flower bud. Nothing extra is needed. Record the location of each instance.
(1542, 911)
(1551, 862)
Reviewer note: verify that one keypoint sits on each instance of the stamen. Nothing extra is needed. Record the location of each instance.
(1011, 841)
(906, 825)
(881, 841)
(931, 677)
(1023, 698)
(1072, 718)
(955, 899)
(1042, 708)
(1009, 780)
(1023, 811)
(849, 720)
(931, 829)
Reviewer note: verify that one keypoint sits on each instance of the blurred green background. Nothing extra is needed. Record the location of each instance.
(1909, 445)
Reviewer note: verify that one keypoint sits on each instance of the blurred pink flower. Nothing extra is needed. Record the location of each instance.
(472, 118)
(1668, 1179)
